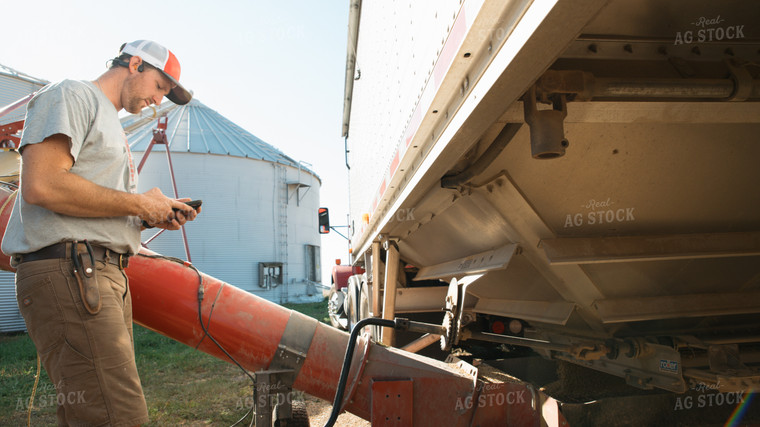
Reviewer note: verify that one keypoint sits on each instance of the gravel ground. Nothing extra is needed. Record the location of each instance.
(319, 412)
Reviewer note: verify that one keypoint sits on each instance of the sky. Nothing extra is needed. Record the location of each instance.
(274, 68)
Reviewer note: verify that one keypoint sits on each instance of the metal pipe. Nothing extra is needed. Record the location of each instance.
(627, 38)
(427, 328)
(20, 103)
(731, 340)
(354, 16)
(518, 341)
(421, 342)
(586, 86)
(666, 88)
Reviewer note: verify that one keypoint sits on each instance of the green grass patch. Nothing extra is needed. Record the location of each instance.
(182, 386)
(317, 310)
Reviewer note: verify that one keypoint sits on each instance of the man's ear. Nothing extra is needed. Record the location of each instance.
(136, 64)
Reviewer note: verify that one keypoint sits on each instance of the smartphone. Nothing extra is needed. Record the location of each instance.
(195, 204)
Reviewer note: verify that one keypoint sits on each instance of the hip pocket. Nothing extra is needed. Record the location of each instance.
(42, 313)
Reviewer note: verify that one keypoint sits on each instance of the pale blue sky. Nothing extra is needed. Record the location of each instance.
(274, 68)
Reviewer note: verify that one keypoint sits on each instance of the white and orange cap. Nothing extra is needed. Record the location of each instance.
(165, 61)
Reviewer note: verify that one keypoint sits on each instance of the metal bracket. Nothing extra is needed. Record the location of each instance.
(742, 81)
(274, 386)
(547, 131)
(273, 390)
(295, 342)
(483, 262)
(654, 366)
(390, 241)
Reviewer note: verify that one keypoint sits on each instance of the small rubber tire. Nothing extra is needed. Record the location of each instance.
(299, 416)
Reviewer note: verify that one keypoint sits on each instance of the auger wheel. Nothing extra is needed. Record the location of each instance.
(453, 317)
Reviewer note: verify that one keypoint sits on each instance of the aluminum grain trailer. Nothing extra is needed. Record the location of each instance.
(573, 180)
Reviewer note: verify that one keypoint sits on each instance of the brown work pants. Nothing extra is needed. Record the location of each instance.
(89, 358)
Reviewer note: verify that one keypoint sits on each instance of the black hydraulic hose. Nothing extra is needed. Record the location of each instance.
(485, 159)
(347, 363)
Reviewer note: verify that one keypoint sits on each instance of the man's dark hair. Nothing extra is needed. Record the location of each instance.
(123, 61)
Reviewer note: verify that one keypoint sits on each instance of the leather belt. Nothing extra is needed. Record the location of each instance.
(63, 250)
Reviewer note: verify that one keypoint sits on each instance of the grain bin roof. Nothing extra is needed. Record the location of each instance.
(196, 128)
(15, 85)
(10, 72)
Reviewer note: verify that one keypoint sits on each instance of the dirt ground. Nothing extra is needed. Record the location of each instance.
(319, 412)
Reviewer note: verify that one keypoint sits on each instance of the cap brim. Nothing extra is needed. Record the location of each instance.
(179, 95)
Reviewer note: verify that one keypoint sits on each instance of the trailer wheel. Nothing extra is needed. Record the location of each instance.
(364, 310)
(352, 301)
(358, 303)
(336, 308)
(299, 416)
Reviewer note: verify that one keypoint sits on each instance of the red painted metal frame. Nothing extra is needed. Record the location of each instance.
(8, 138)
(393, 403)
(165, 299)
(341, 273)
(20, 103)
(159, 137)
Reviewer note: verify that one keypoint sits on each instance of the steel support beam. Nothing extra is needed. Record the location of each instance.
(391, 277)
(593, 250)
(377, 308)
(677, 306)
(496, 259)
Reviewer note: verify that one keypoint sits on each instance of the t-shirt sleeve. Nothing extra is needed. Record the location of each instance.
(57, 110)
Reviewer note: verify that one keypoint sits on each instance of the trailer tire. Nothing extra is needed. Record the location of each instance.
(363, 309)
(352, 301)
(299, 416)
(336, 306)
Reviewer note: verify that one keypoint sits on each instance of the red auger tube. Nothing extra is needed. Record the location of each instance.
(165, 299)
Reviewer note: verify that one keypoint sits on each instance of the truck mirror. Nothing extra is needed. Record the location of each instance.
(324, 221)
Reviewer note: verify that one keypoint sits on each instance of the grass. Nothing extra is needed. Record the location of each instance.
(317, 310)
(182, 386)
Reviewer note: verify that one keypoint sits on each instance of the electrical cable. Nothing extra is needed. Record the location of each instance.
(206, 333)
(337, 404)
(34, 391)
(210, 312)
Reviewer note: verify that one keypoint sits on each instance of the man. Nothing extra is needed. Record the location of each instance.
(76, 222)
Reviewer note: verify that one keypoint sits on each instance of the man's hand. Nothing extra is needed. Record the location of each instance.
(181, 217)
(159, 210)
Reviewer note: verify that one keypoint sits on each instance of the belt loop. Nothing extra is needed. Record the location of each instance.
(67, 252)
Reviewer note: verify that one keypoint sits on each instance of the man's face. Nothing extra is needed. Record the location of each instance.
(143, 89)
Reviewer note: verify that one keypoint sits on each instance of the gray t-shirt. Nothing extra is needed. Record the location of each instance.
(101, 154)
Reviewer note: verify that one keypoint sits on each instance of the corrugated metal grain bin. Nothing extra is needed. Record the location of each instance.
(14, 85)
(258, 228)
